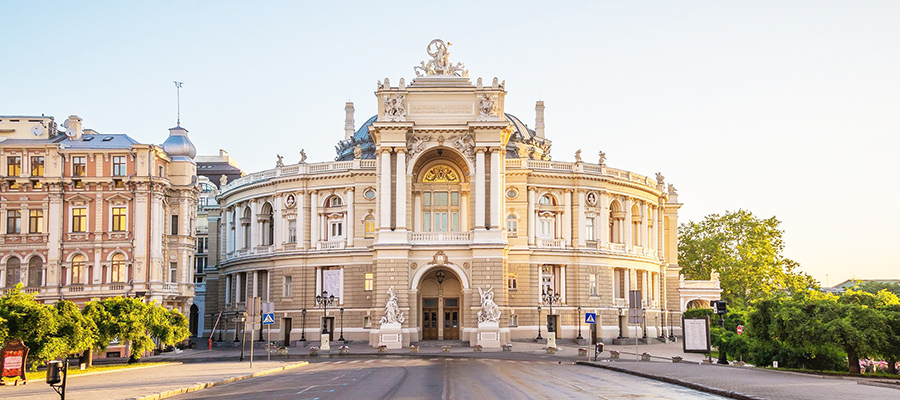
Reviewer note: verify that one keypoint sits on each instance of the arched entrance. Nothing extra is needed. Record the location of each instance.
(194, 321)
(440, 302)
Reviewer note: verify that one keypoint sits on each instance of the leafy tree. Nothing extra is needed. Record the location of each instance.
(76, 332)
(23, 318)
(875, 286)
(132, 320)
(745, 251)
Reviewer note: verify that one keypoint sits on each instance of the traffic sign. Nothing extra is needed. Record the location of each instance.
(740, 329)
(590, 318)
(268, 319)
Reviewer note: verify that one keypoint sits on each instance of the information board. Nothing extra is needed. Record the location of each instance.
(696, 335)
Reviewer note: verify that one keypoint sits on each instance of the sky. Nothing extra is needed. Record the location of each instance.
(784, 108)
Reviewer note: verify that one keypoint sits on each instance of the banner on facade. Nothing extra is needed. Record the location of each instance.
(331, 282)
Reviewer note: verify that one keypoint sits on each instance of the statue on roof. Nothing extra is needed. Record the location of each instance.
(223, 180)
(672, 190)
(280, 162)
(302, 156)
(578, 156)
(660, 179)
(357, 152)
(440, 61)
(602, 158)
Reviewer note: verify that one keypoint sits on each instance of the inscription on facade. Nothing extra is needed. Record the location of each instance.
(440, 109)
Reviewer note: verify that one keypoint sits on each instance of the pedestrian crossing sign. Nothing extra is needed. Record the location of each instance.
(269, 319)
(590, 318)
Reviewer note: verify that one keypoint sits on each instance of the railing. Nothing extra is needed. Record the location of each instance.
(593, 169)
(440, 237)
(170, 286)
(32, 289)
(299, 169)
(617, 247)
(75, 288)
(698, 284)
(117, 286)
(552, 243)
(619, 303)
(331, 245)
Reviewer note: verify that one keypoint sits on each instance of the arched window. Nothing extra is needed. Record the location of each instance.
(118, 273)
(245, 228)
(13, 274)
(267, 218)
(369, 227)
(616, 216)
(512, 226)
(636, 225)
(77, 270)
(440, 199)
(334, 201)
(547, 200)
(35, 272)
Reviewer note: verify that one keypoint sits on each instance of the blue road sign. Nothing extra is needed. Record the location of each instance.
(590, 318)
(269, 319)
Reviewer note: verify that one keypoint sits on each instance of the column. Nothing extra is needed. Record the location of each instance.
(255, 232)
(496, 184)
(228, 289)
(644, 213)
(567, 217)
(463, 211)
(301, 219)
(531, 227)
(351, 217)
(417, 212)
(313, 219)
(628, 241)
(400, 205)
(385, 191)
(255, 289)
(479, 189)
(237, 287)
(279, 231)
(654, 239)
(582, 225)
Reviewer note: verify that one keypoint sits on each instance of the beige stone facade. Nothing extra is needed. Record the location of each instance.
(85, 215)
(440, 194)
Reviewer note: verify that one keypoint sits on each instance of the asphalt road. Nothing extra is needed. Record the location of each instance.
(446, 378)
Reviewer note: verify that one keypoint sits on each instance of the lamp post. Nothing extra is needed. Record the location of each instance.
(578, 319)
(342, 327)
(538, 325)
(303, 326)
(325, 300)
(550, 298)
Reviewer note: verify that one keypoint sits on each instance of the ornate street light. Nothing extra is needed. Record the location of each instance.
(325, 300)
(539, 325)
(550, 298)
(578, 319)
(342, 327)
(440, 276)
(303, 326)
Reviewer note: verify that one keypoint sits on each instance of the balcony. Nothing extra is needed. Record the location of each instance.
(551, 243)
(331, 244)
(617, 247)
(440, 237)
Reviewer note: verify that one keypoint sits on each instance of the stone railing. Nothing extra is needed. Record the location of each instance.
(619, 303)
(698, 284)
(170, 286)
(592, 169)
(299, 169)
(440, 237)
(551, 243)
(331, 244)
(617, 247)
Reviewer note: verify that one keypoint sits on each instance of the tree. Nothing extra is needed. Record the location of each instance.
(745, 251)
(132, 320)
(875, 286)
(23, 318)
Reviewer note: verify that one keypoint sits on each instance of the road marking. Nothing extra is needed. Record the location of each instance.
(355, 361)
(369, 361)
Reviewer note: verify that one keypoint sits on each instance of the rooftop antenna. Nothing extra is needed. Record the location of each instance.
(178, 95)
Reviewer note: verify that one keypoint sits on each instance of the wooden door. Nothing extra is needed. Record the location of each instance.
(286, 329)
(451, 319)
(430, 324)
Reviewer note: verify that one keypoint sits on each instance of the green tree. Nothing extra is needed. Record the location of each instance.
(132, 320)
(745, 250)
(875, 286)
(76, 332)
(23, 318)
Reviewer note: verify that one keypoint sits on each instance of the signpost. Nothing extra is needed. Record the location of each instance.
(590, 318)
(635, 315)
(740, 329)
(12, 361)
(268, 319)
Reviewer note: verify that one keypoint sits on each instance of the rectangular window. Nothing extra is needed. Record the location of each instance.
(37, 166)
(427, 221)
(337, 230)
(592, 284)
(426, 198)
(119, 219)
(173, 272)
(512, 226)
(454, 198)
(79, 220)
(13, 166)
(440, 198)
(202, 244)
(292, 231)
(288, 280)
(456, 222)
(200, 264)
(118, 168)
(79, 166)
(174, 224)
(546, 229)
(12, 221)
(162, 171)
(35, 221)
(369, 228)
(369, 281)
(511, 282)
(589, 229)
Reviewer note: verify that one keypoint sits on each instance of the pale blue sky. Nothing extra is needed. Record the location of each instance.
(785, 108)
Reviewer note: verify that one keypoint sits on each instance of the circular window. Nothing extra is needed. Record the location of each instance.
(512, 193)
(369, 194)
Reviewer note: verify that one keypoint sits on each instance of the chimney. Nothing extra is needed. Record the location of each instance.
(73, 127)
(539, 119)
(348, 120)
(223, 153)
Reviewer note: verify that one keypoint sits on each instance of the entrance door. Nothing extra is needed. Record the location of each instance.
(451, 319)
(430, 319)
(286, 328)
(553, 325)
(329, 324)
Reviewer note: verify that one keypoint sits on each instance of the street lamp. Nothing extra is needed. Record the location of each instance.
(539, 325)
(303, 326)
(325, 300)
(342, 327)
(578, 319)
(550, 298)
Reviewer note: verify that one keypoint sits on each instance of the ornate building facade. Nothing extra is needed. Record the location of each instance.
(87, 215)
(439, 197)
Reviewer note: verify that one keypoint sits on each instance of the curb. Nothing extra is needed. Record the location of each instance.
(207, 385)
(679, 382)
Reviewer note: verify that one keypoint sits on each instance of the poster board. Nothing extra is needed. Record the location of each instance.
(696, 335)
(12, 360)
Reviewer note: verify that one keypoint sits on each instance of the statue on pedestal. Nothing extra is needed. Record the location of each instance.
(392, 313)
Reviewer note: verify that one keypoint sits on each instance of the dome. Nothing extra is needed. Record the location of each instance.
(524, 143)
(178, 146)
(362, 138)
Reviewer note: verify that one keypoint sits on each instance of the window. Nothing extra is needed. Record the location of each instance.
(117, 272)
(13, 166)
(547, 225)
(369, 227)
(174, 224)
(79, 166)
(330, 281)
(336, 230)
(162, 171)
(547, 200)
(12, 221)
(369, 194)
(35, 272)
(77, 270)
(287, 286)
(119, 219)
(589, 229)
(592, 285)
(513, 320)
(35, 221)
(118, 166)
(552, 281)
(200, 263)
(511, 282)
(37, 166)
(335, 202)
(512, 226)
(79, 220)
(13, 274)
(173, 272)
(292, 231)
(369, 281)
(440, 200)
(202, 244)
